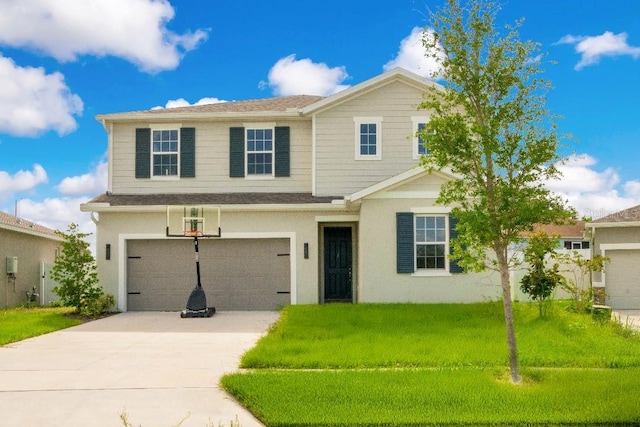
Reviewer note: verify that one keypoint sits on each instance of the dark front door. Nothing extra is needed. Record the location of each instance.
(337, 264)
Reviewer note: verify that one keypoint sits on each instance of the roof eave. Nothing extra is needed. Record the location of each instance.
(613, 224)
(31, 232)
(192, 116)
(336, 205)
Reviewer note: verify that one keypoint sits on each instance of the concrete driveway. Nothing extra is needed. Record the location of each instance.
(155, 367)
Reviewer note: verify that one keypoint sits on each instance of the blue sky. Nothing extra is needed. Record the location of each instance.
(64, 62)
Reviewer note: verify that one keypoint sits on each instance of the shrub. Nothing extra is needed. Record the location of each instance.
(75, 271)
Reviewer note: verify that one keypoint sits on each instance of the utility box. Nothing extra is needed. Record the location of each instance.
(12, 265)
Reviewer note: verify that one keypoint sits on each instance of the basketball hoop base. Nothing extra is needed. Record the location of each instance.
(208, 312)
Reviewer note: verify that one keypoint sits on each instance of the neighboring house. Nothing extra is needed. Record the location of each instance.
(571, 238)
(617, 236)
(25, 248)
(321, 200)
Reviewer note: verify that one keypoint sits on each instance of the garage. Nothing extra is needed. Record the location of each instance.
(622, 279)
(236, 274)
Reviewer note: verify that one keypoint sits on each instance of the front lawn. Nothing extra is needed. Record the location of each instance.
(20, 323)
(407, 365)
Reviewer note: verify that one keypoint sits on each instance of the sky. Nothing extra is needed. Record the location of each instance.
(63, 62)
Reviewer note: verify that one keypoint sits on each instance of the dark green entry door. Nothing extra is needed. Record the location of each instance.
(338, 264)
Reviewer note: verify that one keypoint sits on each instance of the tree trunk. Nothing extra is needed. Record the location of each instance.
(508, 316)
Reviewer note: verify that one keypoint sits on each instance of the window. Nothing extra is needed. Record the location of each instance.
(165, 152)
(260, 152)
(571, 245)
(431, 242)
(419, 123)
(368, 138)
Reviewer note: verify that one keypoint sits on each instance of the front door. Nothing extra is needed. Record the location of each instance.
(338, 264)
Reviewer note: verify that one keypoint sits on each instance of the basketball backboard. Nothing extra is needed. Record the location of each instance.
(193, 221)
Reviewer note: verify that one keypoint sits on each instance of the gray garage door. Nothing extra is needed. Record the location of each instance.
(623, 279)
(236, 274)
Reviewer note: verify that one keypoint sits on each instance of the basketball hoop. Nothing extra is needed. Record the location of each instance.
(193, 233)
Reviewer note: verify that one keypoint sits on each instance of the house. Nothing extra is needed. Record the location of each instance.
(571, 239)
(617, 237)
(25, 249)
(321, 200)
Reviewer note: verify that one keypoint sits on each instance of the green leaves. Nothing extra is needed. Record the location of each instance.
(76, 272)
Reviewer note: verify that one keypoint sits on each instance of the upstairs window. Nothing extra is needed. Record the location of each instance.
(368, 132)
(165, 152)
(260, 152)
(419, 124)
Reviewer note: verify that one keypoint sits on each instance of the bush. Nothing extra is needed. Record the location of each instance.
(76, 272)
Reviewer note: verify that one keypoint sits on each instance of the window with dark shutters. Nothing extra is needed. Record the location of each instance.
(236, 152)
(187, 152)
(453, 233)
(143, 153)
(404, 243)
(282, 163)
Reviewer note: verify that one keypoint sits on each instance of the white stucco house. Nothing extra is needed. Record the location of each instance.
(321, 200)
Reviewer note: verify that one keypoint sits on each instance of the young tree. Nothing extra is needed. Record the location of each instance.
(542, 279)
(489, 126)
(75, 271)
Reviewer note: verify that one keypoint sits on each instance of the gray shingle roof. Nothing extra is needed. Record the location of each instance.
(23, 224)
(628, 215)
(282, 103)
(210, 199)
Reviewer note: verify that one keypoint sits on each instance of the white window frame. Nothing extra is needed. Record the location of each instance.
(159, 128)
(366, 121)
(259, 126)
(417, 121)
(432, 211)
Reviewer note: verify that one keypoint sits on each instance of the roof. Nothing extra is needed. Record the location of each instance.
(575, 230)
(283, 106)
(13, 223)
(625, 216)
(211, 199)
(282, 103)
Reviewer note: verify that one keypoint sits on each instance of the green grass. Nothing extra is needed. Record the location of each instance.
(17, 324)
(442, 335)
(438, 397)
(410, 365)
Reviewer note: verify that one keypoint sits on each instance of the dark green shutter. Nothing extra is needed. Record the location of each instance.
(236, 152)
(405, 262)
(143, 153)
(453, 233)
(187, 152)
(282, 163)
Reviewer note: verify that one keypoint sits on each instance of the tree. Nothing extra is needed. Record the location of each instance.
(490, 128)
(541, 280)
(579, 286)
(75, 271)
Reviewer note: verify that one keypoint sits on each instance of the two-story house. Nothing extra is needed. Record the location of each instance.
(321, 200)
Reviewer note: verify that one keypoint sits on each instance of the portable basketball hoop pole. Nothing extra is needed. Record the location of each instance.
(197, 303)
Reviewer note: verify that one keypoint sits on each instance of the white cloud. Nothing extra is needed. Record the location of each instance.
(33, 102)
(21, 181)
(594, 193)
(134, 30)
(593, 48)
(92, 183)
(305, 77)
(57, 214)
(411, 55)
(181, 102)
